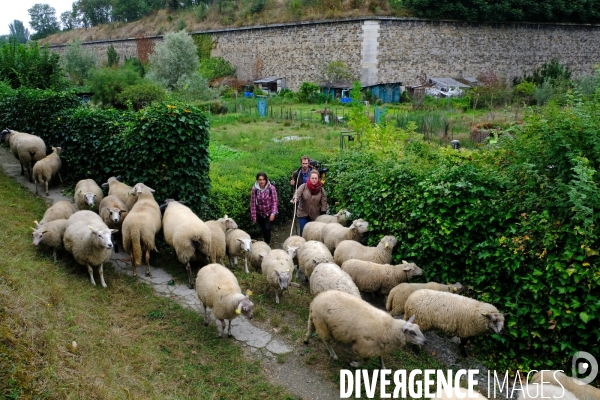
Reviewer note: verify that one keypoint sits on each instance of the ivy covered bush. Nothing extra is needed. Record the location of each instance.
(516, 224)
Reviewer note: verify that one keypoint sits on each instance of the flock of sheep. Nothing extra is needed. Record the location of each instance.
(328, 255)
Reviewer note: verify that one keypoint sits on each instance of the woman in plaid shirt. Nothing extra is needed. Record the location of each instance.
(263, 205)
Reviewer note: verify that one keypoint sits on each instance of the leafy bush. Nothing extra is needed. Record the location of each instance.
(543, 93)
(141, 94)
(308, 92)
(135, 64)
(194, 87)
(112, 56)
(553, 72)
(107, 84)
(173, 59)
(78, 62)
(29, 66)
(216, 67)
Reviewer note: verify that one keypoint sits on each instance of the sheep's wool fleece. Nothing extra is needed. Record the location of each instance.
(548, 392)
(329, 276)
(218, 288)
(347, 319)
(399, 294)
(451, 313)
(582, 392)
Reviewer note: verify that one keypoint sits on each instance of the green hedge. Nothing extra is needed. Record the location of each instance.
(165, 146)
(515, 225)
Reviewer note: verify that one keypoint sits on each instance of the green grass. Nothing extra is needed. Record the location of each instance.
(130, 342)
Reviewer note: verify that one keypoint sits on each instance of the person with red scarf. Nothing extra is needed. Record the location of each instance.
(313, 200)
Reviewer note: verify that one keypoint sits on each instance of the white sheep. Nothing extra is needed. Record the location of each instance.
(113, 211)
(218, 247)
(26, 148)
(292, 244)
(398, 295)
(218, 288)
(50, 235)
(258, 251)
(453, 314)
(460, 394)
(312, 230)
(187, 234)
(60, 210)
(329, 276)
(546, 391)
(141, 226)
(121, 190)
(578, 388)
(310, 254)
(333, 234)
(371, 277)
(347, 319)
(277, 266)
(341, 217)
(88, 195)
(47, 168)
(88, 239)
(238, 245)
(350, 249)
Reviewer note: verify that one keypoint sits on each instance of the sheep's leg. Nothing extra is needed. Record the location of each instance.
(36, 189)
(101, 271)
(148, 263)
(222, 329)
(235, 261)
(357, 364)
(60, 177)
(309, 330)
(229, 329)
(205, 313)
(331, 351)
(54, 254)
(46, 188)
(91, 272)
(22, 169)
(133, 266)
(382, 364)
(189, 271)
(246, 264)
(277, 296)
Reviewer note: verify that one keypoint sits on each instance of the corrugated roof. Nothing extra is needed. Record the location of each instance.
(269, 79)
(447, 82)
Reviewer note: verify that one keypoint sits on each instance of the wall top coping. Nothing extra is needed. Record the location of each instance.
(354, 19)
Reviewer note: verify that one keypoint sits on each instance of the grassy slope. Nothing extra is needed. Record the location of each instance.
(130, 343)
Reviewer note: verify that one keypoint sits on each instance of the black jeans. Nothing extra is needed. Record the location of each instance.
(265, 226)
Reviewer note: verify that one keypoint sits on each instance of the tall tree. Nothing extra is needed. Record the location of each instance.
(43, 20)
(95, 12)
(18, 31)
(71, 19)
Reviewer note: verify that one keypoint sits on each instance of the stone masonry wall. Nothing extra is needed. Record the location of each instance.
(405, 48)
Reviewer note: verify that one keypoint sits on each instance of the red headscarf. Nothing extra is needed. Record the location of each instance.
(314, 189)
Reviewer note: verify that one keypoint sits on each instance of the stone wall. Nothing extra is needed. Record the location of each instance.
(385, 50)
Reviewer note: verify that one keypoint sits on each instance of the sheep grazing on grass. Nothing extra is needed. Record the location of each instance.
(187, 234)
(141, 226)
(333, 234)
(218, 288)
(258, 251)
(50, 235)
(88, 239)
(576, 387)
(88, 195)
(113, 211)
(341, 217)
(26, 148)
(121, 190)
(350, 249)
(310, 254)
(47, 168)
(312, 230)
(278, 268)
(238, 245)
(453, 314)
(347, 319)
(371, 277)
(548, 391)
(398, 295)
(218, 246)
(60, 210)
(329, 276)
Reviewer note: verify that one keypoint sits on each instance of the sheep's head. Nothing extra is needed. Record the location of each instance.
(412, 332)
(245, 244)
(495, 321)
(114, 214)
(90, 199)
(292, 250)
(455, 287)
(388, 242)
(103, 237)
(245, 306)
(3, 134)
(343, 215)
(229, 223)
(410, 270)
(283, 278)
(360, 225)
(139, 188)
(37, 235)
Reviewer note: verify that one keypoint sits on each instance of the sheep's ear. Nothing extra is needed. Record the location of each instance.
(150, 189)
(408, 268)
(411, 319)
(105, 184)
(253, 241)
(225, 217)
(92, 229)
(278, 274)
(114, 230)
(386, 245)
(238, 310)
(404, 262)
(248, 292)
(487, 315)
(53, 148)
(32, 228)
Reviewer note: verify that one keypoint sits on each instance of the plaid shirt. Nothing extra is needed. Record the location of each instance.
(264, 202)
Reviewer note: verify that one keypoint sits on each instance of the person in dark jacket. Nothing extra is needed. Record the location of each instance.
(263, 205)
(313, 200)
(300, 175)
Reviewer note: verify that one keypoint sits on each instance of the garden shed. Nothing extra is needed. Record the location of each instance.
(337, 90)
(271, 84)
(387, 92)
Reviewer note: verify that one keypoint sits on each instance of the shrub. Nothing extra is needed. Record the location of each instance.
(308, 92)
(29, 66)
(107, 84)
(194, 87)
(112, 56)
(135, 64)
(543, 93)
(141, 95)
(216, 67)
(78, 62)
(173, 59)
